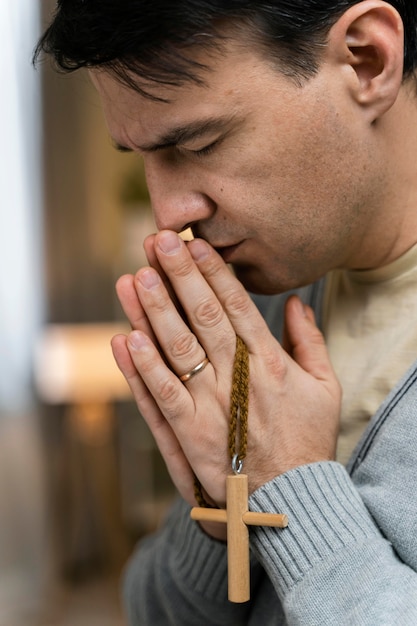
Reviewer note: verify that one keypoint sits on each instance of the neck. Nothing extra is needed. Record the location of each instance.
(393, 225)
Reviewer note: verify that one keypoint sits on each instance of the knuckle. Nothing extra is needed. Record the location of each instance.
(157, 302)
(237, 302)
(213, 268)
(208, 313)
(183, 268)
(169, 394)
(276, 364)
(183, 345)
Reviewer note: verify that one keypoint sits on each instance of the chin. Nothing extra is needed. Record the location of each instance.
(255, 281)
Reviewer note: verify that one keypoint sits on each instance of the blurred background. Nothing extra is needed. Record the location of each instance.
(80, 479)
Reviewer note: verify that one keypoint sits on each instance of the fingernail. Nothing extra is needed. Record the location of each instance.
(137, 340)
(169, 242)
(199, 249)
(149, 278)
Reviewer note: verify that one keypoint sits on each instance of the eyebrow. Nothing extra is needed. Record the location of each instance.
(182, 134)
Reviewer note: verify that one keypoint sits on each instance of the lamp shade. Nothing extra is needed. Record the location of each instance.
(74, 364)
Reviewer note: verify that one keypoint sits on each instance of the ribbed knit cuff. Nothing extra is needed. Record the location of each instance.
(201, 560)
(326, 516)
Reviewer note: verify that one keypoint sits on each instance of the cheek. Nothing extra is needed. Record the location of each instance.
(292, 185)
(309, 179)
(302, 202)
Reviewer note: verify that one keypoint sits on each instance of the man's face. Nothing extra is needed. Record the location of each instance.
(277, 177)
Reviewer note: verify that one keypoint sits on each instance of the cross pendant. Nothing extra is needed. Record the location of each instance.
(238, 518)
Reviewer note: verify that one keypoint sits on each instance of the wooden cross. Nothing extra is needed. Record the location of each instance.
(238, 518)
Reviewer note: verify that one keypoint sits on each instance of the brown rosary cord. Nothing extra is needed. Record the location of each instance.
(239, 403)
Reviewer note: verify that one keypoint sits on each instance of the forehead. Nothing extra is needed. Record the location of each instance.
(229, 84)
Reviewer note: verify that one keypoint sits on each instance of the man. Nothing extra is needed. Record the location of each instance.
(285, 135)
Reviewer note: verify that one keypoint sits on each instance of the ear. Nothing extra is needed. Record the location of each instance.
(368, 39)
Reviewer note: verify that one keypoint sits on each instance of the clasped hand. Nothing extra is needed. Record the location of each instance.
(186, 305)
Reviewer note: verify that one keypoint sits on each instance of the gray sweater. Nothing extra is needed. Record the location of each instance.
(348, 556)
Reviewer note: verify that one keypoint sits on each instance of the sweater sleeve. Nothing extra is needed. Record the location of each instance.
(178, 577)
(332, 565)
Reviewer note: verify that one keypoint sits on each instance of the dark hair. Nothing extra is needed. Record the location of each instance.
(149, 40)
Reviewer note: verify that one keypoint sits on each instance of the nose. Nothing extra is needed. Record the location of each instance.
(178, 201)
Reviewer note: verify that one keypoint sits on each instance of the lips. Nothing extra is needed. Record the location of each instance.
(227, 252)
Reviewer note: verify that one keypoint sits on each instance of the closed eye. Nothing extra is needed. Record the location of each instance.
(206, 150)
(201, 152)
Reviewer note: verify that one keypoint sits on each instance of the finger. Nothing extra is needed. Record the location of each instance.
(173, 399)
(306, 342)
(175, 460)
(126, 292)
(240, 310)
(169, 393)
(205, 314)
(178, 344)
(149, 245)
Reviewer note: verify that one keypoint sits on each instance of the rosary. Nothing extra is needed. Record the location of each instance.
(237, 516)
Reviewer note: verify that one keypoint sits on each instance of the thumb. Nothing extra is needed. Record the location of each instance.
(304, 341)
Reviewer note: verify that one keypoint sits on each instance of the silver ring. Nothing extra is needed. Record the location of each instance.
(196, 370)
(237, 464)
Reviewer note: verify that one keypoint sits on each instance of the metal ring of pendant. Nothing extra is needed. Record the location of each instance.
(237, 464)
